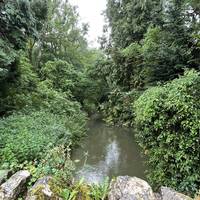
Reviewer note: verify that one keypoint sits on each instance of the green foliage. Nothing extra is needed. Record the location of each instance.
(62, 37)
(39, 10)
(7, 57)
(91, 87)
(49, 117)
(167, 49)
(168, 121)
(149, 43)
(18, 23)
(81, 190)
(126, 68)
(130, 19)
(48, 75)
(30, 93)
(66, 194)
(119, 108)
(163, 57)
(16, 93)
(27, 137)
(65, 71)
(100, 192)
(55, 162)
(56, 63)
(78, 190)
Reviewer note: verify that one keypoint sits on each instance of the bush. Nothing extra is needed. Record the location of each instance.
(118, 110)
(56, 162)
(28, 92)
(168, 119)
(62, 74)
(24, 138)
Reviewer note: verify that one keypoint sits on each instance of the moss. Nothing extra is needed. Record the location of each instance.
(56, 187)
(84, 193)
(37, 192)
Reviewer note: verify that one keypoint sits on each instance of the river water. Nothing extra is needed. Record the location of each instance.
(108, 152)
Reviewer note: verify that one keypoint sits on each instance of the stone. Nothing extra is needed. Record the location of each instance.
(168, 193)
(14, 186)
(41, 189)
(158, 196)
(4, 174)
(130, 188)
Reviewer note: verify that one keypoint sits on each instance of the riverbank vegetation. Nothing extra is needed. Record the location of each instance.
(47, 73)
(44, 64)
(146, 75)
(152, 70)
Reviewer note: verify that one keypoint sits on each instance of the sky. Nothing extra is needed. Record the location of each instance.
(90, 12)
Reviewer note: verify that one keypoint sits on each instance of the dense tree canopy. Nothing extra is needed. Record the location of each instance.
(129, 20)
(165, 33)
(19, 21)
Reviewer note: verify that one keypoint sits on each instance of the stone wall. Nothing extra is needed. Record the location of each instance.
(132, 188)
(122, 188)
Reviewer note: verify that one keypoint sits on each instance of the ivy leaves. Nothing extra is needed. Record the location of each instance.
(168, 121)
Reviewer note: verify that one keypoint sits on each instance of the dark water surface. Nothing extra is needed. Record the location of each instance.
(108, 152)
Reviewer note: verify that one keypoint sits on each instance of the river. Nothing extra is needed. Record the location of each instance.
(108, 152)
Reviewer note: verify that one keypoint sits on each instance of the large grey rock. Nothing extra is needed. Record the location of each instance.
(41, 189)
(130, 188)
(14, 185)
(4, 174)
(170, 194)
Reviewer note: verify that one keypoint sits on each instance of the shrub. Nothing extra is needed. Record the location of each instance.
(118, 110)
(168, 119)
(27, 137)
(56, 162)
(66, 72)
(28, 92)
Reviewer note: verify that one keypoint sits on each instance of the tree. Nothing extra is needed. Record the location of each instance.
(161, 36)
(61, 37)
(150, 42)
(18, 23)
(168, 50)
(129, 19)
(128, 22)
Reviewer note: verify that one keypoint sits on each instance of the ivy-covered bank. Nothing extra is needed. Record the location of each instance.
(168, 122)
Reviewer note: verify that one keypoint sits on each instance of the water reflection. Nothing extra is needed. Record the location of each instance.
(111, 151)
(112, 156)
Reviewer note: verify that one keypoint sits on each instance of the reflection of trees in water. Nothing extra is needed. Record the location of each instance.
(97, 173)
(111, 152)
(112, 158)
